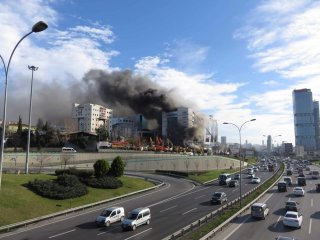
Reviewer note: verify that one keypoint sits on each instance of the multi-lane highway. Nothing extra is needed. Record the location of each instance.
(251, 229)
(173, 206)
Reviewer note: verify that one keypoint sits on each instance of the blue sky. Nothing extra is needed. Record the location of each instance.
(233, 59)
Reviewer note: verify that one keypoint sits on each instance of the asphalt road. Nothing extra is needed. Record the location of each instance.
(173, 206)
(247, 228)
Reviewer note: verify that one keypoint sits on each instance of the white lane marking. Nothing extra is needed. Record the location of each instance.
(138, 233)
(177, 196)
(236, 229)
(108, 231)
(57, 235)
(234, 190)
(310, 224)
(189, 211)
(168, 208)
(311, 202)
(200, 197)
(168, 185)
(275, 225)
(219, 189)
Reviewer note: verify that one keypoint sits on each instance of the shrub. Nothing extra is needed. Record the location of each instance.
(66, 186)
(101, 168)
(105, 182)
(117, 167)
(73, 171)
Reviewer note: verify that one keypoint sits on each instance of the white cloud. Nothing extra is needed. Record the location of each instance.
(271, 83)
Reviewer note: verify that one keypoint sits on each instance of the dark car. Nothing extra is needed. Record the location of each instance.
(219, 197)
(301, 181)
(282, 186)
(233, 183)
(292, 206)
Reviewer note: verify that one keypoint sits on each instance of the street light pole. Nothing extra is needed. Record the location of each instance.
(240, 156)
(38, 27)
(32, 68)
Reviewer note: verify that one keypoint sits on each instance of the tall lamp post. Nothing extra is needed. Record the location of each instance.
(32, 68)
(38, 27)
(239, 129)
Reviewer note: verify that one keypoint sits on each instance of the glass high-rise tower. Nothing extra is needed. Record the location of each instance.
(306, 120)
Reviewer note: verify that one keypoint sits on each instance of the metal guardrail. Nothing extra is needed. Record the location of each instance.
(7, 228)
(199, 222)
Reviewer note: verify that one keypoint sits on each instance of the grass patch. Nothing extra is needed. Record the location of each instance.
(205, 229)
(251, 160)
(19, 204)
(207, 176)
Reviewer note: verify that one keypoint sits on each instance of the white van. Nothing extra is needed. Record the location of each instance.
(136, 218)
(315, 174)
(224, 179)
(259, 210)
(68, 149)
(110, 215)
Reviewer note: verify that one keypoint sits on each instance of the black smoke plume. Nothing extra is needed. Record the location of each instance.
(134, 93)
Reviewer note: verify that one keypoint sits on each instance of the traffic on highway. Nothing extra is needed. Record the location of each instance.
(293, 208)
(153, 215)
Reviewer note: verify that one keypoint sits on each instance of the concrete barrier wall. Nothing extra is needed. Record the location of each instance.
(134, 161)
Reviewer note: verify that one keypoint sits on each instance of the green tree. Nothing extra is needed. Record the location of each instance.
(101, 168)
(19, 130)
(103, 133)
(117, 167)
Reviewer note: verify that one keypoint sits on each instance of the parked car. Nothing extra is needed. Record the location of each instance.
(233, 183)
(292, 205)
(298, 191)
(219, 197)
(293, 219)
(255, 180)
(110, 215)
(136, 218)
(259, 210)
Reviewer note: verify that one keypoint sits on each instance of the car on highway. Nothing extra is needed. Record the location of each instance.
(255, 180)
(284, 238)
(317, 187)
(110, 215)
(292, 205)
(233, 183)
(301, 181)
(251, 175)
(298, 191)
(259, 210)
(136, 218)
(255, 169)
(282, 186)
(236, 177)
(293, 219)
(224, 179)
(219, 197)
(288, 180)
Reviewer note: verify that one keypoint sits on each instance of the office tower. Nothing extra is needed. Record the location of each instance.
(269, 143)
(223, 140)
(306, 120)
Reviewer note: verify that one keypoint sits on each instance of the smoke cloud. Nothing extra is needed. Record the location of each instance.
(122, 91)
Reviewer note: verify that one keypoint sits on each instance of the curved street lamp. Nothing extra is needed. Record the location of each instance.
(38, 27)
(240, 156)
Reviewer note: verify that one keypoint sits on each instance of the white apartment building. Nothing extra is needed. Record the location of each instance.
(187, 118)
(90, 116)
